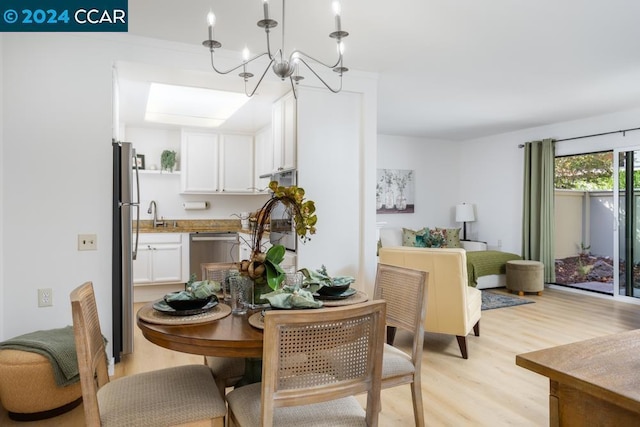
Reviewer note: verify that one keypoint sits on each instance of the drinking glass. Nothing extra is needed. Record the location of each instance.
(241, 290)
(224, 284)
(293, 280)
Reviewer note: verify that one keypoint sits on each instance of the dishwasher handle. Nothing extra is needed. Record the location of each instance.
(214, 239)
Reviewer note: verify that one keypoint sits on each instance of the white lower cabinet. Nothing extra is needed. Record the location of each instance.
(159, 259)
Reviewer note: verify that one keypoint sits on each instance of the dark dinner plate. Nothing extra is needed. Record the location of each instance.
(343, 295)
(333, 290)
(162, 306)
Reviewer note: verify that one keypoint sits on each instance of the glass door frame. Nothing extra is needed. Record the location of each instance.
(616, 222)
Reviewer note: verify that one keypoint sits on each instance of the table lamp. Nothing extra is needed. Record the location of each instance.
(464, 214)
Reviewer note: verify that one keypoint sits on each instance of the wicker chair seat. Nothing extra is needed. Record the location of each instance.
(165, 397)
(245, 404)
(396, 363)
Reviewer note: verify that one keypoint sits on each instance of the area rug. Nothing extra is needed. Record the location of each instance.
(491, 300)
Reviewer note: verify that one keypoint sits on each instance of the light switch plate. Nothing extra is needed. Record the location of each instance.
(87, 242)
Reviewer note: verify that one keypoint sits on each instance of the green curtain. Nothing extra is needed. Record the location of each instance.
(538, 222)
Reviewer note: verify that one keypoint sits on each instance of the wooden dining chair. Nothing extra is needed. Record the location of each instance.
(183, 395)
(317, 362)
(226, 370)
(405, 291)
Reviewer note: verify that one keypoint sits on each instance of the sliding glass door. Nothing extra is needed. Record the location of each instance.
(626, 202)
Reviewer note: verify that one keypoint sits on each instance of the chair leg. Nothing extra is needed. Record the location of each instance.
(391, 334)
(476, 329)
(462, 343)
(418, 409)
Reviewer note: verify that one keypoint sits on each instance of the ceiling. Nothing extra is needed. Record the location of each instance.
(453, 70)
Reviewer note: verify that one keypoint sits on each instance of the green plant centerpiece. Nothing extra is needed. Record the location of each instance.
(264, 268)
(168, 160)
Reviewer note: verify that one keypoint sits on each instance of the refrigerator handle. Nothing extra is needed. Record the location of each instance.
(136, 204)
(135, 162)
(135, 248)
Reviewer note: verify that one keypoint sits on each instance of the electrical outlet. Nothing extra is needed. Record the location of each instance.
(87, 242)
(45, 297)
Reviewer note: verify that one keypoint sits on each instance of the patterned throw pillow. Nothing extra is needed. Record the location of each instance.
(437, 239)
(423, 240)
(452, 237)
(431, 239)
(409, 237)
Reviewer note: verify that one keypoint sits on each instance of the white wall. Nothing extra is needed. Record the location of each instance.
(491, 169)
(57, 175)
(336, 166)
(331, 178)
(2, 300)
(436, 168)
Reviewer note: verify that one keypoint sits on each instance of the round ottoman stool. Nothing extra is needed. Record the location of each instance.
(525, 276)
(28, 389)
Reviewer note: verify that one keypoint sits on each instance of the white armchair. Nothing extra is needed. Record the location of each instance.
(453, 307)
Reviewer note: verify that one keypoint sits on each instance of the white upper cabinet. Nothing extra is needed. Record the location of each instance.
(199, 162)
(284, 120)
(264, 157)
(237, 159)
(214, 163)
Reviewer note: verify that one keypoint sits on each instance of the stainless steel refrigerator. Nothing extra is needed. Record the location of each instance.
(126, 216)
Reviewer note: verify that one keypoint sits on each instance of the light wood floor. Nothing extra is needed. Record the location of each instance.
(488, 389)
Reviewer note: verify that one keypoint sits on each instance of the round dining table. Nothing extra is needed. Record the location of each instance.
(230, 336)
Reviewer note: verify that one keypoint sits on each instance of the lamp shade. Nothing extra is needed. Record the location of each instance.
(465, 213)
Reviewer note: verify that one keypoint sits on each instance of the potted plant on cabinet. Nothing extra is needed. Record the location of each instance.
(167, 160)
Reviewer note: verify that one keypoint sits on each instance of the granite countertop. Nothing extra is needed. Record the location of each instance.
(193, 226)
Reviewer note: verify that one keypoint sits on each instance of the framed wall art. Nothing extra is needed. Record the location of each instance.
(140, 161)
(395, 191)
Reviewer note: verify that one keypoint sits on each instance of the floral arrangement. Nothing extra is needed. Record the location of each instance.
(264, 268)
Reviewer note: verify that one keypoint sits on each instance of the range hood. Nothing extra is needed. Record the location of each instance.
(278, 172)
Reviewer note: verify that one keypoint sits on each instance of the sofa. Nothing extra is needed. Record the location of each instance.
(485, 270)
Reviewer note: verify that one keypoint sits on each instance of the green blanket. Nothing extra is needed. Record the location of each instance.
(58, 345)
(485, 263)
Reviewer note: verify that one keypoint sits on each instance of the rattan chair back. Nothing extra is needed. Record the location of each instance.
(405, 291)
(316, 357)
(216, 271)
(90, 348)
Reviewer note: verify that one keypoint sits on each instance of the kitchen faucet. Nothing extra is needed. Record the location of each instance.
(153, 208)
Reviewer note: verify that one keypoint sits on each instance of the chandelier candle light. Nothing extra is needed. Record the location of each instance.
(283, 66)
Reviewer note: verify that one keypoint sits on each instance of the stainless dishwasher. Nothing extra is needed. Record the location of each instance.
(211, 247)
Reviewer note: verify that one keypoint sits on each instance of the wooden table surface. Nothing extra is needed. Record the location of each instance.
(231, 336)
(604, 371)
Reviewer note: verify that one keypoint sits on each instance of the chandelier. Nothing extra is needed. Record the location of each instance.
(283, 66)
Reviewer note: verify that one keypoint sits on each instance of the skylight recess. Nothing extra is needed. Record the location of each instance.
(191, 106)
